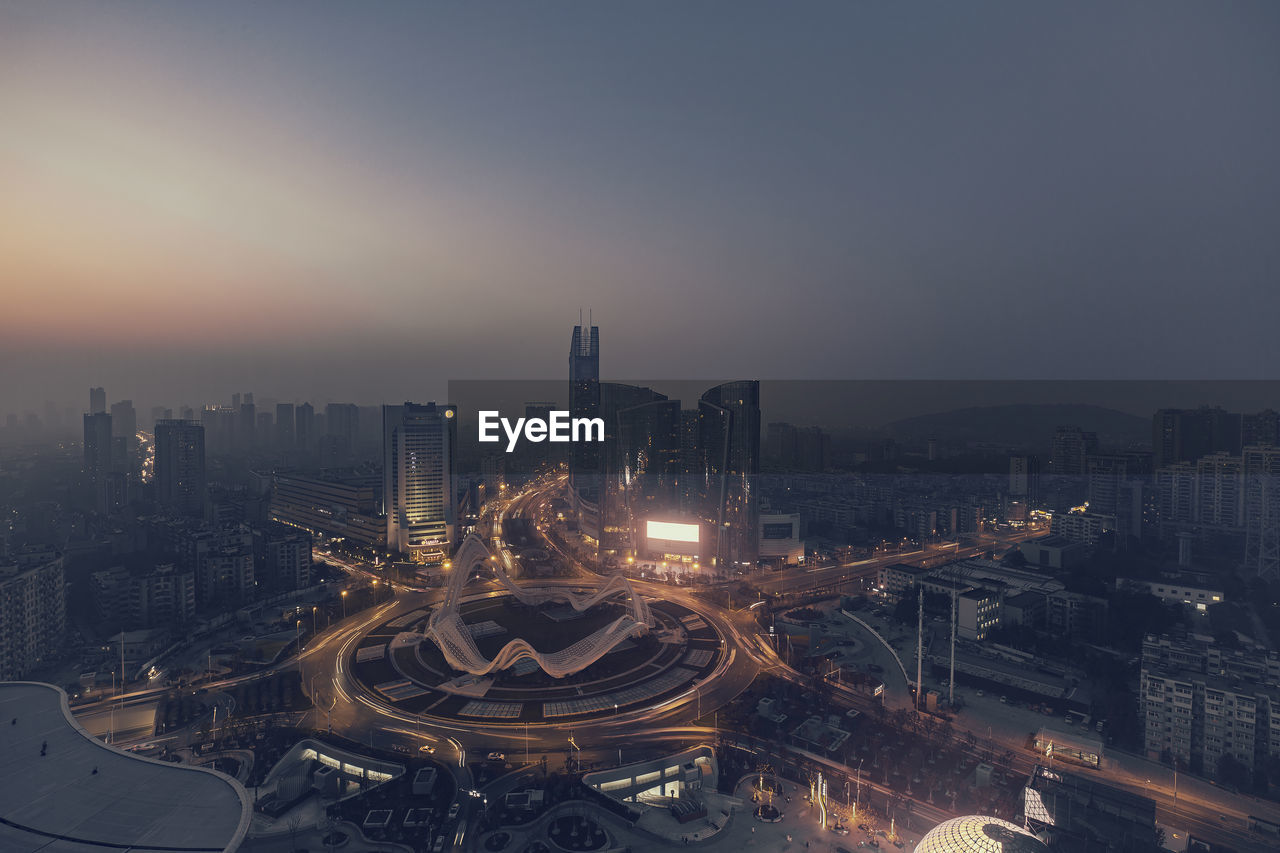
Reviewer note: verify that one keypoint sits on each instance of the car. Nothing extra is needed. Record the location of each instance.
(1004, 700)
(980, 693)
(427, 748)
(840, 829)
(497, 756)
(453, 810)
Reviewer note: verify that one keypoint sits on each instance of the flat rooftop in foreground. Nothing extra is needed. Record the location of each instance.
(55, 803)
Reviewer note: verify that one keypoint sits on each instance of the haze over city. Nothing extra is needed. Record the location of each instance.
(343, 203)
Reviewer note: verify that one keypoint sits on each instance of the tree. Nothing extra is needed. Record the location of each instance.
(294, 822)
(1233, 772)
(1014, 558)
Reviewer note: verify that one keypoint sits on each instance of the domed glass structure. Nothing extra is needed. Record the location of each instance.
(978, 834)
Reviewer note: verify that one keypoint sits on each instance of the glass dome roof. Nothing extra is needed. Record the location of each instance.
(978, 834)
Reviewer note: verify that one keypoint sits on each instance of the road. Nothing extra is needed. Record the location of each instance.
(791, 581)
(344, 707)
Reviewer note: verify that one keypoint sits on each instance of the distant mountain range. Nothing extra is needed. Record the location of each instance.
(1023, 425)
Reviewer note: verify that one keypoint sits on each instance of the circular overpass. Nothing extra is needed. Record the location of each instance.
(682, 654)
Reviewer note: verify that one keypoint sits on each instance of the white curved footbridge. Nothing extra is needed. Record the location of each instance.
(447, 630)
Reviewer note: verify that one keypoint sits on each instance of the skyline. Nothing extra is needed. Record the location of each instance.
(210, 198)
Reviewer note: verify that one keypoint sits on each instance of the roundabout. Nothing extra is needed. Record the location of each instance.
(560, 652)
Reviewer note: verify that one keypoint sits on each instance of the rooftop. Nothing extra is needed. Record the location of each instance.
(81, 794)
(978, 834)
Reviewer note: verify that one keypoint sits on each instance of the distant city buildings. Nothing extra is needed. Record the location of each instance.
(97, 446)
(1024, 479)
(285, 426)
(790, 447)
(1185, 435)
(180, 467)
(1070, 451)
(304, 428)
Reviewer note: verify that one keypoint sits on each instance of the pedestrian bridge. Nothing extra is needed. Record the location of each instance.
(447, 630)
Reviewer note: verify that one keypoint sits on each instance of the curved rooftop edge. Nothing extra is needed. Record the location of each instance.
(64, 791)
(446, 628)
(979, 834)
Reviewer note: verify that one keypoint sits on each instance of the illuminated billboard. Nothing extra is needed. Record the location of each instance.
(672, 531)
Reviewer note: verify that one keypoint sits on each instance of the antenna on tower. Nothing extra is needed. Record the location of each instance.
(920, 646)
(590, 319)
(955, 603)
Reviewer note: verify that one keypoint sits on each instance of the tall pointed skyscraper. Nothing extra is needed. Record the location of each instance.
(585, 459)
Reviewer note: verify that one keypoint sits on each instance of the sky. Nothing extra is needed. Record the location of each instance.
(341, 201)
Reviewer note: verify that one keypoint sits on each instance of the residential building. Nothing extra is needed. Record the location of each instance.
(1200, 702)
(282, 558)
(32, 610)
(180, 467)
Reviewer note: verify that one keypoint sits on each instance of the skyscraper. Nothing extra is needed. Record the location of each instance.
(342, 420)
(304, 426)
(1024, 479)
(1261, 482)
(1260, 428)
(247, 425)
(97, 446)
(284, 426)
(730, 439)
(97, 401)
(1184, 435)
(1071, 447)
(585, 459)
(418, 444)
(180, 467)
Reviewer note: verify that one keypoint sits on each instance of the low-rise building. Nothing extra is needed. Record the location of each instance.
(899, 578)
(1174, 591)
(1025, 608)
(1055, 552)
(977, 612)
(1075, 614)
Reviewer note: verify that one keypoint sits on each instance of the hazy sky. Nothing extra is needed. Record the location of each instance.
(359, 201)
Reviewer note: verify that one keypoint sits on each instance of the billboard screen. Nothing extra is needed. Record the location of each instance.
(672, 531)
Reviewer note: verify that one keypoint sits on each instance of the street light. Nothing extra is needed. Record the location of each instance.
(344, 604)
